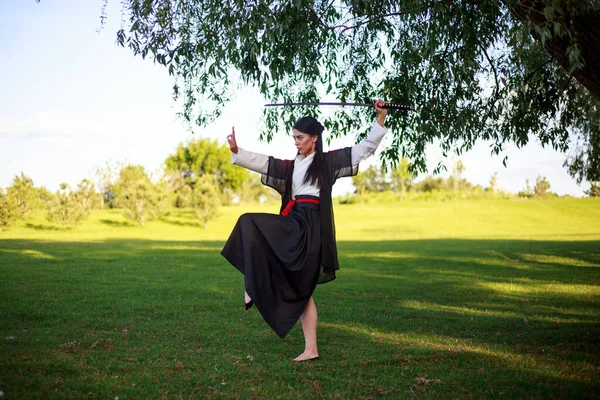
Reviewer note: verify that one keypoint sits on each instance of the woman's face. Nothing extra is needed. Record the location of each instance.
(304, 142)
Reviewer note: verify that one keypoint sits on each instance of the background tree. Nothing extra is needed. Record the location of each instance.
(499, 70)
(44, 196)
(65, 208)
(594, 190)
(372, 179)
(86, 196)
(360, 183)
(402, 176)
(162, 194)
(206, 157)
(9, 208)
(494, 182)
(105, 181)
(206, 199)
(252, 190)
(138, 196)
(180, 190)
(456, 179)
(24, 193)
(430, 184)
(106, 177)
(527, 191)
(542, 186)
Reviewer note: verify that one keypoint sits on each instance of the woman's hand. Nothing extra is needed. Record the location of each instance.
(231, 140)
(381, 112)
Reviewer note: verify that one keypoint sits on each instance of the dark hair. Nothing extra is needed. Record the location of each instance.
(316, 172)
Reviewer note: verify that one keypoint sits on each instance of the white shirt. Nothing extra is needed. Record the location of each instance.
(259, 162)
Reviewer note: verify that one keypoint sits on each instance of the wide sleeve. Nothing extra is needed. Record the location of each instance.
(253, 161)
(367, 146)
(279, 176)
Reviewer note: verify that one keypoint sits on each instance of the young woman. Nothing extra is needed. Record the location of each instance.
(283, 257)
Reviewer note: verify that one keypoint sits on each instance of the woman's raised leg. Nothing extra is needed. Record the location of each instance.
(309, 327)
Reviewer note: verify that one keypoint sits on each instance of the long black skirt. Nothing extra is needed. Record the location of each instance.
(279, 257)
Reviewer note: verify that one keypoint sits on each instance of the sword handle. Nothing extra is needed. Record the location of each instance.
(395, 106)
(387, 106)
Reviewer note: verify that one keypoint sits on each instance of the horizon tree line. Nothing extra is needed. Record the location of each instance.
(200, 176)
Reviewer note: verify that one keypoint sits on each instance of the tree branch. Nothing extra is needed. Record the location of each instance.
(368, 21)
(532, 73)
(497, 89)
(586, 30)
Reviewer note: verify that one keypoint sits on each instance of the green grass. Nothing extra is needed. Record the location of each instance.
(483, 299)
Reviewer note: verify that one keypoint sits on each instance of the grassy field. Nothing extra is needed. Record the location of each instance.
(466, 299)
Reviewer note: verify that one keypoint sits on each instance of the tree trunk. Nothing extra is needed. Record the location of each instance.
(140, 209)
(206, 214)
(586, 30)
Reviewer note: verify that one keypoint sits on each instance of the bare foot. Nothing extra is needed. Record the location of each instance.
(307, 356)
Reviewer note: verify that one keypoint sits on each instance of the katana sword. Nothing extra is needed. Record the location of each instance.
(388, 106)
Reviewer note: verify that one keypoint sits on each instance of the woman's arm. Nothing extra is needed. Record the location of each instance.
(381, 112)
(367, 146)
(253, 161)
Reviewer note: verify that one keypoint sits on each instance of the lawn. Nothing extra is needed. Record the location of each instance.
(457, 299)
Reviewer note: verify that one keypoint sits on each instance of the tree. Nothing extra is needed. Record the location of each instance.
(9, 208)
(206, 199)
(180, 189)
(253, 190)
(527, 191)
(86, 195)
(506, 71)
(65, 209)
(360, 183)
(429, 184)
(594, 190)
(141, 199)
(542, 186)
(494, 182)
(456, 178)
(44, 196)
(206, 157)
(372, 179)
(105, 179)
(402, 176)
(24, 193)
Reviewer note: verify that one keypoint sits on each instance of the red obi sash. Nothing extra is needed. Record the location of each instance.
(288, 208)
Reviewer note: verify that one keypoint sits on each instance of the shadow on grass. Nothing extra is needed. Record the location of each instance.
(40, 227)
(400, 315)
(182, 223)
(118, 224)
(183, 218)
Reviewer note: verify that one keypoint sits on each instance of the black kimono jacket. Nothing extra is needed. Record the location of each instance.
(338, 164)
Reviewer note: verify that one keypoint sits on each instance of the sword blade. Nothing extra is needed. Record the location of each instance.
(388, 106)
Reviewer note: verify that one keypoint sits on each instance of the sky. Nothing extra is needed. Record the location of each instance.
(72, 100)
